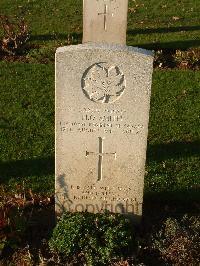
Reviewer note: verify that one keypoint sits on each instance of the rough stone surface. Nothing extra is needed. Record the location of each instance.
(105, 21)
(102, 113)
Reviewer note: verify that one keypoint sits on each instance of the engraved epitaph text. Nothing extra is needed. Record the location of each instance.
(102, 113)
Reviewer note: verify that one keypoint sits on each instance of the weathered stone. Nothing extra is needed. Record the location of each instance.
(102, 113)
(105, 21)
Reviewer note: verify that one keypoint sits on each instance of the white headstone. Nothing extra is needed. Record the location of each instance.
(105, 21)
(102, 114)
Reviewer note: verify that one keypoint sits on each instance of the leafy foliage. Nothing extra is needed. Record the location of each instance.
(15, 35)
(96, 238)
(179, 242)
(12, 226)
(188, 59)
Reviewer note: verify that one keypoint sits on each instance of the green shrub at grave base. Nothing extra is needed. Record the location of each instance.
(178, 242)
(95, 238)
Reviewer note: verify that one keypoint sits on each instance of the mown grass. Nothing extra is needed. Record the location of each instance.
(27, 110)
(152, 24)
(27, 125)
(174, 132)
(27, 129)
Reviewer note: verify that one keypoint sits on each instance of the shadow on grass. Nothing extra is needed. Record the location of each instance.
(160, 205)
(178, 201)
(58, 36)
(5, 124)
(77, 37)
(166, 45)
(24, 168)
(182, 45)
(175, 150)
(44, 166)
(163, 30)
(173, 45)
(6, 127)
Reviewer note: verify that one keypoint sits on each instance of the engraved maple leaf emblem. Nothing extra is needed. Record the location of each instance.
(103, 83)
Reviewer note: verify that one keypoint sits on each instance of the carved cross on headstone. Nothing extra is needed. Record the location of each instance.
(105, 13)
(101, 154)
(105, 21)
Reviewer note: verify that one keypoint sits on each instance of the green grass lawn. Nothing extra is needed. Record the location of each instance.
(152, 24)
(27, 129)
(173, 163)
(27, 123)
(27, 93)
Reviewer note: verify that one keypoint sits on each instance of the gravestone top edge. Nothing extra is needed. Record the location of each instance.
(105, 21)
(105, 46)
